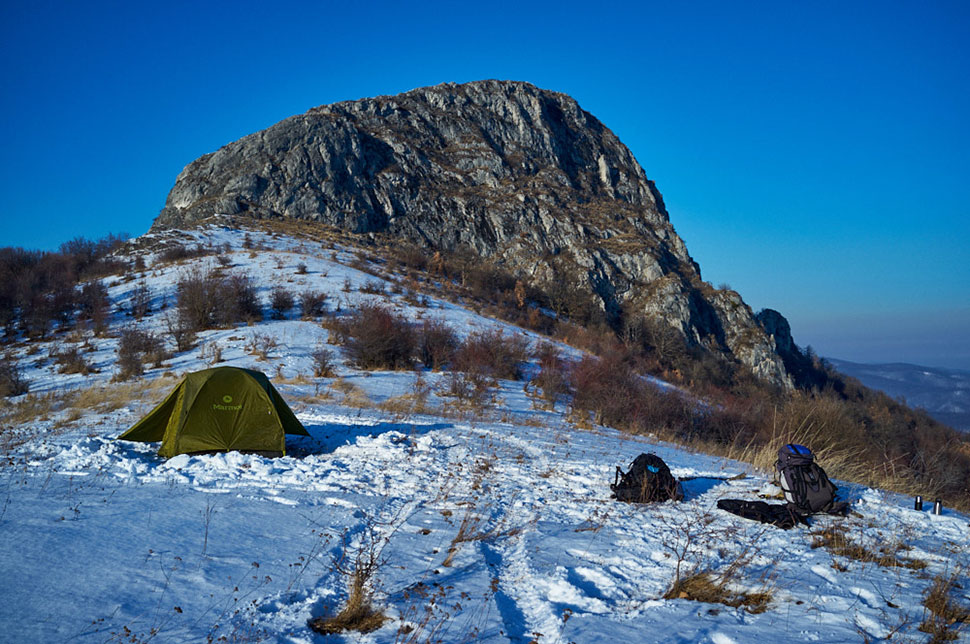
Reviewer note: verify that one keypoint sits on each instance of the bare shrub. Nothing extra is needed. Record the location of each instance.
(241, 303)
(211, 353)
(301, 269)
(552, 379)
(611, 389)
(437, 344)
(94, 305)
(70, 360)
(141, 298)
(471, 390)
(690, 535)
(182, 333)
(313, 304)
(494, 354)
(377, 338)
(260, 344)
(322, 362)
(198, 296)
(280, 301)
(12, 382)
(135, 348)
(374, 287)
(207, 299)
(179, 252)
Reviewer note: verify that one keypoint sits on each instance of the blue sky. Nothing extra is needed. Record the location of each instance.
(814, 156)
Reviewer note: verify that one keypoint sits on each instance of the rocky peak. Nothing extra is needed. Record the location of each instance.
(521, 175)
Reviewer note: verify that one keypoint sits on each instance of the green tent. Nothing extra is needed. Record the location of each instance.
(218, 410)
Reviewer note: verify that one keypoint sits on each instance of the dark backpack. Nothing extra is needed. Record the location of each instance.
(648, 480)
(807, 488)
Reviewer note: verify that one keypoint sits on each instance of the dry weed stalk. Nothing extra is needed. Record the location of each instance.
(693, 533)
(358, 612)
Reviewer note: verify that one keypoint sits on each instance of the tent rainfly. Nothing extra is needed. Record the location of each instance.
(219, 410)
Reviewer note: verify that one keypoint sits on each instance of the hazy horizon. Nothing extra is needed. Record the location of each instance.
(812, 157)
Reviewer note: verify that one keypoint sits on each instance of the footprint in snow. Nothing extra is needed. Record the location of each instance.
(825, 573)
(867, 597)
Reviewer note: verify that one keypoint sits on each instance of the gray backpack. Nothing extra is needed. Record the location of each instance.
(807, 488)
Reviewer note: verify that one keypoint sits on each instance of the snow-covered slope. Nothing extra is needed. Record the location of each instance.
(492, 525)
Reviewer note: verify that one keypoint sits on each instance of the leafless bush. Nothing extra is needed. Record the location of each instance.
(322, 362)
(94, 305)
(179, 329)
(494, 354)
(260, 344)
(471, 390)
(12, 382)
(691, 533)
(141, 298)
(280, 301)
(437, 344)
(70, 360)
(178, 252)
(301, 268)
(312, 303)
(374, 287)
(552, 379)
(207, 299)
(135, 348)
(211, 353)
(611, 389)
(377, 338)
(241, 303)
(224, 261)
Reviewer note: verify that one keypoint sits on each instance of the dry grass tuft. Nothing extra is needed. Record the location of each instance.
(835, 540)
(358, 614)
(945, 617)
(705, 587)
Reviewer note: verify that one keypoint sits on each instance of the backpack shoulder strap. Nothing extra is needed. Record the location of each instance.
(616, 478)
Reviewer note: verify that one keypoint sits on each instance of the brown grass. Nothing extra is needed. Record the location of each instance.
(357, 614)
(707, 588)
(25, 414)
(835, 540)
(945, 616)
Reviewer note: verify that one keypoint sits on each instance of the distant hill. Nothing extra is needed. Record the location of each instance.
(943, 393)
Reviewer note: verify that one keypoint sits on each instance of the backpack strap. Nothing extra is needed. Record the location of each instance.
(616, 478)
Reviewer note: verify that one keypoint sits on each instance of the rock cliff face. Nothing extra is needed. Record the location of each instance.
(521, 175)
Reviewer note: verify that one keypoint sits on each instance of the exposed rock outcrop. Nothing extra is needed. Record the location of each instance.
(521, 175)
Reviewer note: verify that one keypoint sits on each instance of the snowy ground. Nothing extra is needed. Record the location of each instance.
(102, 540)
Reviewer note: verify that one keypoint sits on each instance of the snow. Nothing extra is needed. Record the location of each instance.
(102, 540)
